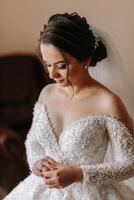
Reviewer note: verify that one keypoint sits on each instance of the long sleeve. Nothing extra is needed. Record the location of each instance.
(34, 150)
(122, 142)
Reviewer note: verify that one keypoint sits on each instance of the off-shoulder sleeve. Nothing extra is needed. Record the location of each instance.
(123, 165)
(34, 150)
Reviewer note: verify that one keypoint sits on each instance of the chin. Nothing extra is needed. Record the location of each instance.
(63, 84)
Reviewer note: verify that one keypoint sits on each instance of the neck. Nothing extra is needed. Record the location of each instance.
(83, 81)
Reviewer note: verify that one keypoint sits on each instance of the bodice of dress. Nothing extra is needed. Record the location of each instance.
(84, 143)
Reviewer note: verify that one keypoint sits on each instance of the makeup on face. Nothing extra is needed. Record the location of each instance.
(62, 67)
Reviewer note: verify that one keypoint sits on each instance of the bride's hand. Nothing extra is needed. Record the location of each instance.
(49, 163)
(60, 175)
(37, 168)
(41, 165)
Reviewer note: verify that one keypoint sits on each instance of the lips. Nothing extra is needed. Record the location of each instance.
(59, 81)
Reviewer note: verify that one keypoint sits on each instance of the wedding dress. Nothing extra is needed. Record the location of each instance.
(85, 143)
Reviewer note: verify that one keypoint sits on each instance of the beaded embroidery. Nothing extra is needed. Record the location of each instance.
(83, 143)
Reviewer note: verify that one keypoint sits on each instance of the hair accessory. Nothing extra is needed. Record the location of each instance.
(96, 37)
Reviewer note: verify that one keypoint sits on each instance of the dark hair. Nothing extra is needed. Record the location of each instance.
(71, 34)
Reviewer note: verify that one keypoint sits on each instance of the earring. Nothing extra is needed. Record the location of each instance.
(86, 67)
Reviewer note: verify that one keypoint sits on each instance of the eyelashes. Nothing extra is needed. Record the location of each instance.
(59, 66)
(63, 66)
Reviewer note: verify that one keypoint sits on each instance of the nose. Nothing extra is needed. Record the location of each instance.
(53, 73)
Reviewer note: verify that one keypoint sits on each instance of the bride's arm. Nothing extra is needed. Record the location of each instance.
(121, 137)
(34, 150)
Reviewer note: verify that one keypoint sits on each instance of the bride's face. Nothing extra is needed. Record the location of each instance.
(62, 70)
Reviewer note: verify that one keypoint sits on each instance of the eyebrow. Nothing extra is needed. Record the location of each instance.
(61, 61)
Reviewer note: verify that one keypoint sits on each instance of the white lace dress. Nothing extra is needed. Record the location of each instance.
(83, 143)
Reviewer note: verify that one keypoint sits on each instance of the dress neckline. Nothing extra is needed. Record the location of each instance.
(75, 122)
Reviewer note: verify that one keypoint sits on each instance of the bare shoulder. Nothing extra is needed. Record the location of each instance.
(46, 93)
(113, 105)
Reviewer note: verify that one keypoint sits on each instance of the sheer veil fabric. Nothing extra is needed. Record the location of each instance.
(112, 73)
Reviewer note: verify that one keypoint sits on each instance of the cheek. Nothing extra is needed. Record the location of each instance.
(64, 74)
(73, 71)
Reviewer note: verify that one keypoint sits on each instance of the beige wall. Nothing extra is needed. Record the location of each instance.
(21, 21)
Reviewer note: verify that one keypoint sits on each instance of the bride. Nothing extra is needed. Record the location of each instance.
(76, 121)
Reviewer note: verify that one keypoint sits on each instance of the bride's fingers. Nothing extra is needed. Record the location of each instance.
(49, 182)
(52, 165)
(51, 160)
(48, 165)
(39, 165)
(44, 168)
(52, 183)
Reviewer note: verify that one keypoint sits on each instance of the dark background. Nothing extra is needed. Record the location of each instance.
(22, 76)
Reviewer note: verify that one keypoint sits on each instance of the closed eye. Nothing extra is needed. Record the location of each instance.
(59, 65)
(62, 66)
